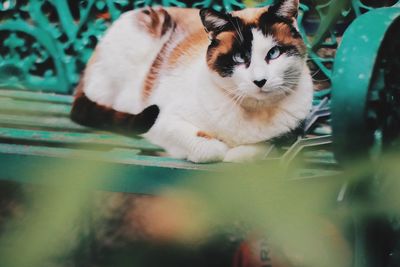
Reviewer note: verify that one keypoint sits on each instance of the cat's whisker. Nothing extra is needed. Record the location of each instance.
(315, 73)
(242, 99)
(288, 90)
(232, 93)
(322, 80)
(239, 98)
(240, 31)
(314, 58)
(237, 29)
(289, 83)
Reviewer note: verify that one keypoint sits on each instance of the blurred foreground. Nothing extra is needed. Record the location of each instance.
(247, 215)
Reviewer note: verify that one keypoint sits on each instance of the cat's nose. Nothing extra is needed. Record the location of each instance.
(260, 83)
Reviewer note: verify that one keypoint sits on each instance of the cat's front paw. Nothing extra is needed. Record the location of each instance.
(247, 153)
(208, 151)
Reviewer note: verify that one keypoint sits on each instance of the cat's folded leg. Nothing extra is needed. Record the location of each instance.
(207, 150)
(183, 140)
(246, 153)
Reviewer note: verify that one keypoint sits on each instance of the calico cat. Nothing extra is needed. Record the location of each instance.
(204, 85)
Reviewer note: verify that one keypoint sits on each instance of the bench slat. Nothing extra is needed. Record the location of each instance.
(73, 138)
(41, 122)
(117, 177)
(13, 106)
(120, 156)
(37, 96)
(120, 172)
(117, 170)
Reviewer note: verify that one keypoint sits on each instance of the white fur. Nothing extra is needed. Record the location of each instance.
(192, 98)
(287, 7)
(217, 22)
(244, 153)
(126, 53)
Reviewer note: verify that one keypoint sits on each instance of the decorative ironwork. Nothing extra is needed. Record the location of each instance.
(365, 100)
(45, 44)
(323, 24)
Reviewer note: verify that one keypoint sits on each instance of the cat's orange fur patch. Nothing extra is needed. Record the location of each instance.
(204, 135)
(196, 39)
(186, 18)
(226, 41)
(250, 15)
(189, 46)
(224, 46)
(156, 22)
(264, 114)
(153, 74)
(282, 33)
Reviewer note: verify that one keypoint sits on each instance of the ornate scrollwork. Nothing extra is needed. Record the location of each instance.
(324, 25)
(45, 44)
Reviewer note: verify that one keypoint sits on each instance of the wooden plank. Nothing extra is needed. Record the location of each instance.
(41, 122)
(73, 138)
(37, 96)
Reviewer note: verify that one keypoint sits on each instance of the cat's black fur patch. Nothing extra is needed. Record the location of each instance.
(89, 113)
(225, 63)
(226, 21)
(291, 50)
(242, 44)
(293, 12)
(270, 18)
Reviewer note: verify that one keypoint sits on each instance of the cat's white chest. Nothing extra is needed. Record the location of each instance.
(237, 128)
(213, 112)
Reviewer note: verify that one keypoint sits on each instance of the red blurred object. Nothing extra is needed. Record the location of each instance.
(258, 253)
(105, 15)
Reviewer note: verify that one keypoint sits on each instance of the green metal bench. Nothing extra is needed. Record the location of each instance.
(45, 46)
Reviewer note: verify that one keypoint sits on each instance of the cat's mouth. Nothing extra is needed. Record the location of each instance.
(263, 94)
(263, 98)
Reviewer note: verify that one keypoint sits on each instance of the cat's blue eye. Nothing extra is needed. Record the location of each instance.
(238, 58)
(274, 53)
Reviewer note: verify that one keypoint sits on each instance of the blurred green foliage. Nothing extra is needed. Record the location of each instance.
(303, 219)
(308, 220)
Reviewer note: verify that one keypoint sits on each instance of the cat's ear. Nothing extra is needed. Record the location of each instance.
(215, 22)
(285, 8)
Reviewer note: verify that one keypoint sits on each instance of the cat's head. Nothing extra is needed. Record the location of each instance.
(256, 54)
